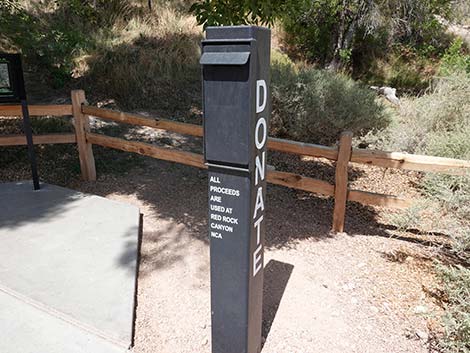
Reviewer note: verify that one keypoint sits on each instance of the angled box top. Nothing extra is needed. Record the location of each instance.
(235, 32)
(224, 58)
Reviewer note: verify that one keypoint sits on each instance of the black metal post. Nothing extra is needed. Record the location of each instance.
(29, 139)
(236, 71)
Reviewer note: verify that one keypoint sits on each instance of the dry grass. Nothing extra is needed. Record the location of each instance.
(148, 61)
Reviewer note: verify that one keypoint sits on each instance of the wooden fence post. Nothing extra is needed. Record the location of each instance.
(341, 181)
(82, 126)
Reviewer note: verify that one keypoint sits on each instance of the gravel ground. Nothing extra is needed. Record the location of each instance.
(358, 292)
(369, 290)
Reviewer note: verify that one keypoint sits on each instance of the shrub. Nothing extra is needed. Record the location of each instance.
(317, 29)
(49, 34)
(423, 123)
(456, 321)
(315, 106)
(151, 62)
(461, 11)
(455, 60)
(453, 191)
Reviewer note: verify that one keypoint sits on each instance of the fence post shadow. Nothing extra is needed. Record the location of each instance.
(276, 277)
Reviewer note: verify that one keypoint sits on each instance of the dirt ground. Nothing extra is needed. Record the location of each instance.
(364, 291)
(367, 290)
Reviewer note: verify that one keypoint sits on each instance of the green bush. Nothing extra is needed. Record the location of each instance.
(315, 106)
(317, 29)
(422, 123)
(455, 60)
(453, 191)
(50, 35)
(456, 287)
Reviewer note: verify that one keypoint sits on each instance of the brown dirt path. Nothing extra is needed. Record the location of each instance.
(343, 293)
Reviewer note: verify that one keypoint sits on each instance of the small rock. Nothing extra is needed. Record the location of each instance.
(421, 335)
(421, 309)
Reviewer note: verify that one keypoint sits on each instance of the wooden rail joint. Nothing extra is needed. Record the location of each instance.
(341, 180)
(82, 127)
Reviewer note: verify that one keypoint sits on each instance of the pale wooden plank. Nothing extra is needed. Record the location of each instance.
(197, 130)
(300, 148)
(20, 140)
(37, 110)
(414, 162)
(166, 154)
(137, 119)
(373, 199)
(299, 182)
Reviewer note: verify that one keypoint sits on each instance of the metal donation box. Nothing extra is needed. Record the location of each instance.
(236, 76)
(12, 91)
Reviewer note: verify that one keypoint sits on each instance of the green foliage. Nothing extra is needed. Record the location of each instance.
(455, 60)
(237, 12)
(452, 191)
(312, 28)
(411, 217)
(456, 287)
(319, 30)
(420, 121)
(51, 41)
(313, 105)
(52, 34)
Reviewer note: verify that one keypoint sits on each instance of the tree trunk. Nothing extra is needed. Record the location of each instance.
(336, 61)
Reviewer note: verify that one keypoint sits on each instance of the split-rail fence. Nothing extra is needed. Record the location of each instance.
(343, 154)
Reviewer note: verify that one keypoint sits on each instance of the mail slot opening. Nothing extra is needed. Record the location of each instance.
(226, 73)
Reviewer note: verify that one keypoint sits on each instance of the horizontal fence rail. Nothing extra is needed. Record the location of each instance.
(413, 162)
(37, 110)
(290, 180)
(343, 155)
(16, 140)
(196, 130)
(396, 160)
(197, 160)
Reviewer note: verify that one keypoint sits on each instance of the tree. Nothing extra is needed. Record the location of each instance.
(328, 31)
(238, 12)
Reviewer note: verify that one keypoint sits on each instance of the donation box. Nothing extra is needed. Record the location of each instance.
(236, 75)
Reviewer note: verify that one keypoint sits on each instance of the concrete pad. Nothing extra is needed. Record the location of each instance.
(68, 260)
(34, 331)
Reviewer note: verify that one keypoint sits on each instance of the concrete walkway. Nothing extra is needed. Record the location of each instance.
(67, 271)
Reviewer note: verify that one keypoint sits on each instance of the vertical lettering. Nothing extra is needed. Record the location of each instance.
(259, 205)
(260, 167)
(257, 260)
(261, 84)
(259, 123)
(258, 229)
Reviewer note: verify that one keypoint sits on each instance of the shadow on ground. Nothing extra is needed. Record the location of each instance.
(276, 278)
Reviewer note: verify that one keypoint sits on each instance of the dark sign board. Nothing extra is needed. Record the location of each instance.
(236, 72)
(11, 79)
(12, 91)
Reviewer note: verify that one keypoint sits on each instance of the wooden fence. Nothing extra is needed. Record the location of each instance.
(343, 155)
